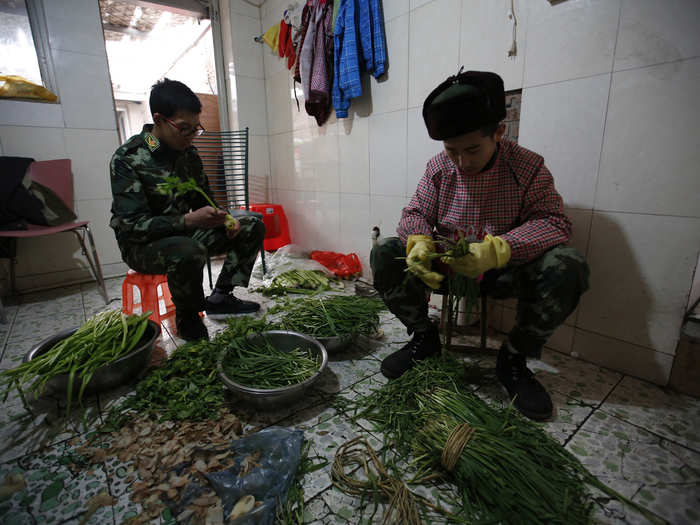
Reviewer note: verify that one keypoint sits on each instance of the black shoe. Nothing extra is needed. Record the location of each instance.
(229, 306)
(423, 344)
(190, 326)
(530, 396)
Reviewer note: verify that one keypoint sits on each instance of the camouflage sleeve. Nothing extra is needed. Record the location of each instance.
(132, 219)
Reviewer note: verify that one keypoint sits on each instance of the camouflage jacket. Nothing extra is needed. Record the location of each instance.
(140, 213)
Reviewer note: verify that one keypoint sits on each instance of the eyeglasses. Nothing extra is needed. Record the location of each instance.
(186, 130)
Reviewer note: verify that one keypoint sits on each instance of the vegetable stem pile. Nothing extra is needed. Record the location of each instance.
(298, 281)
(266, 367)
(506, 468)
(334, 316)
(101, 340)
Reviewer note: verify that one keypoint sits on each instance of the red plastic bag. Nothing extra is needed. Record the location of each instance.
(341, 265)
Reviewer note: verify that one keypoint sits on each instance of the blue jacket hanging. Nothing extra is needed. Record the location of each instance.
(360, 45)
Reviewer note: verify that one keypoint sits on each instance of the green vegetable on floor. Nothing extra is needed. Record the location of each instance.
(298, 281)
(332, 316)
(505, 468)
(101, 340)
(185, 386)
(266, 367)
(175, 185)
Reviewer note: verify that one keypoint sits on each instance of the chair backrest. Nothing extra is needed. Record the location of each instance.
(224, 157)
(55, 175)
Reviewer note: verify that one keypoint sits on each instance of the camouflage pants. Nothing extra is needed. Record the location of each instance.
(182, 259)
(547, 288)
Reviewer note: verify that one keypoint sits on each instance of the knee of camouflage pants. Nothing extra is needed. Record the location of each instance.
(182, 259)
(403, 293)
(387, 268)
(548, 291)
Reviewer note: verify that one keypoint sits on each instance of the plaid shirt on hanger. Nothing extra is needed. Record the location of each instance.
(515, 199)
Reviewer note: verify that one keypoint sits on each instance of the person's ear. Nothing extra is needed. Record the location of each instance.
(157, 118)
(500, 132)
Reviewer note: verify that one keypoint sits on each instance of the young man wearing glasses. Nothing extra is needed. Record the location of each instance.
(159, 233)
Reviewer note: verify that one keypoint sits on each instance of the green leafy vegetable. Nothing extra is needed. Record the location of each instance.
(100, 341)
(175, 185)
(332, 316)
(266, 367)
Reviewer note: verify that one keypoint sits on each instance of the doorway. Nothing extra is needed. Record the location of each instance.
(147, 41)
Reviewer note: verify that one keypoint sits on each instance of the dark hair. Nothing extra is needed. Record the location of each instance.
(489, 130)
(169, 96)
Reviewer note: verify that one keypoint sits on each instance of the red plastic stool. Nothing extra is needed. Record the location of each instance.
(148, 286)
(276, 227)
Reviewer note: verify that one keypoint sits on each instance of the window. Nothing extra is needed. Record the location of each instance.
(24, 47)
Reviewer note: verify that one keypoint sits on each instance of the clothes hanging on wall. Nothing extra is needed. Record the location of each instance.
(318, 97)
(305, 19)
(359, 45)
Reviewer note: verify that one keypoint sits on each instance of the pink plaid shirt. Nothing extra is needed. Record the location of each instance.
(515, 199)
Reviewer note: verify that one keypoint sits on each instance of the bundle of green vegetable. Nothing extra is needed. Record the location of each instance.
(332, 316)
(185, 386)
(297, 281)
(506, 468)
(100, 341)
(175, 185)
(266, 367)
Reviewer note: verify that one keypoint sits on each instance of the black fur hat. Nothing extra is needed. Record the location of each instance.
(463, 103)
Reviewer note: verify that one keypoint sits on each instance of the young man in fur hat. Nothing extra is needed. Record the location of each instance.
(502, 196)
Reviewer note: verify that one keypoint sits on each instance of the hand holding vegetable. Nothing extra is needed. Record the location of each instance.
(492, 252)
(420, 250)
(207, 217)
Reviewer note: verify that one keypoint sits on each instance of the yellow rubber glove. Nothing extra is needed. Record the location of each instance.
(418, 248)
(492, 252)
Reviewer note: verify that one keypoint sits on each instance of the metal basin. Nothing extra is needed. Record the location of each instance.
(121, 371)
(286, 341)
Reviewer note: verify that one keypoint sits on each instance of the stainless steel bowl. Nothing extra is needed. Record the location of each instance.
(121, 371)
(286, 341)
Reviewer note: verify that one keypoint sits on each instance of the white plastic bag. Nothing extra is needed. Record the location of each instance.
(288, 258)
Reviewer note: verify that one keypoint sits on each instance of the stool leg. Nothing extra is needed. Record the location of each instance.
(127, 297)
(149, 301)
(211, 284)
(443, 320)
(167, 299)
(484, 323)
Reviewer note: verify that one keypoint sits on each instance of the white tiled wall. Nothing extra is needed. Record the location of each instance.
(609, 90)
(81, 127)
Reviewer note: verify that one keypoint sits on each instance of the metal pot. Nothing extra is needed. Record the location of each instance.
(121, 371)
(286, 341)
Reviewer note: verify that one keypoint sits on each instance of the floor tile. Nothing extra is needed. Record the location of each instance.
(29, 331)
(22, 432)
(56, 491)
(574, 378)
(643, 466)
(667, 413)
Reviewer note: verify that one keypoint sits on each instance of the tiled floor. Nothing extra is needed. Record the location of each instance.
(641, 439)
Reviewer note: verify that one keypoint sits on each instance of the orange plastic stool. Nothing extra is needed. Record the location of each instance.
(276, 227)
(148, 286)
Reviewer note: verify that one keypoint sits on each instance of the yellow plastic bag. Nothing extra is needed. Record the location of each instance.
(15, 86)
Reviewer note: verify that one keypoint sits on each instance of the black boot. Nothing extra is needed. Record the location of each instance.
(530, 396)
(190, 326)
(222, 305)
(424, 344)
